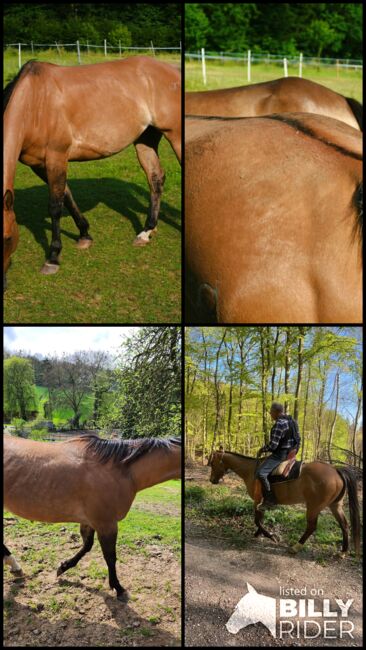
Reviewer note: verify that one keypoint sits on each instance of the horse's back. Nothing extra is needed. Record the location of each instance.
(271, 224)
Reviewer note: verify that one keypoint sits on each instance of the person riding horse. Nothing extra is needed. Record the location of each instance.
(282, 441)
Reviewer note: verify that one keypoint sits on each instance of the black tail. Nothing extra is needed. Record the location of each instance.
(357, 110)
(354, 506)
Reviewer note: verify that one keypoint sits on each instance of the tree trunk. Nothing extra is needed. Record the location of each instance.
(331, 432)
(300, 347)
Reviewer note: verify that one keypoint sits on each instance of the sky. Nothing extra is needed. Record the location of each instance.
(57, 340)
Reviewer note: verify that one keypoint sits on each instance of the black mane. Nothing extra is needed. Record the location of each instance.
(126, 451)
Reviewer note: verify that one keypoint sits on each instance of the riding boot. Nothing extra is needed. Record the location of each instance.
(268, 502)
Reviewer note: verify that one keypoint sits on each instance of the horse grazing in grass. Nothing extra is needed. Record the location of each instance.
(286, 95)
(273, 220)
(319, 486)
(57, 114)
(86, 480)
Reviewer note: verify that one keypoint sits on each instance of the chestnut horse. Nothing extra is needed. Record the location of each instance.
(287, 95)
(319, 486)
(86, 480)
(273, 220)
(57, 114)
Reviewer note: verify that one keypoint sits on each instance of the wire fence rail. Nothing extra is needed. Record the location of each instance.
(249, 58)
(81, 46)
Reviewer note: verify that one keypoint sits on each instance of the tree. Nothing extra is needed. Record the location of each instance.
(19, 386)
(122, 34)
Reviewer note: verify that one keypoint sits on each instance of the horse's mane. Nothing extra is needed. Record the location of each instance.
(235, 453)
(30, 66)
(125, 451)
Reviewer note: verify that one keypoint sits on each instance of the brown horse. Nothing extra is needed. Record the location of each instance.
(56, 114)
(86, 480)
(273, 220)
(319, 486)
(287, 95)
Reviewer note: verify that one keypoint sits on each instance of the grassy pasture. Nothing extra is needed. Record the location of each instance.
(112, 282)
(227, 74)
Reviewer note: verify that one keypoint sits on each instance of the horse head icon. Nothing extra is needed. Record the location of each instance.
(253, 608)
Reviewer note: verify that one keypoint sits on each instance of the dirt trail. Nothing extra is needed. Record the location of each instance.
(82, 610)
(216, 579)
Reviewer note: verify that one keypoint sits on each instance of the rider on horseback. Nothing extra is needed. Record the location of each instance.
(284, 437)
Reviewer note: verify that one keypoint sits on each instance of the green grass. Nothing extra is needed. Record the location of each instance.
(62, 414)
(228, 74)
(113, 281)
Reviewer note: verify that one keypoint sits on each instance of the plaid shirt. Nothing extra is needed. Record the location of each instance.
(279, 438)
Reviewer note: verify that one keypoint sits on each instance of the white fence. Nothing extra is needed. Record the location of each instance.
(78, 47)
(248, 58)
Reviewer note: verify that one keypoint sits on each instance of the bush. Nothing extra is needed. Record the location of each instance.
(39, 434)
(194, 494)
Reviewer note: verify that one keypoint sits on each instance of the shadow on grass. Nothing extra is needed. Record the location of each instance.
(126, 199)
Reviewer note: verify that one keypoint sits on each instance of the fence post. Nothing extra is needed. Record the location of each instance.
(120, 53)
(285, 67)
(87, 45)
(300, 65)
(58, 49)
(32, 47)
(203, 66)
(249, 66)
(20, 55)
(78, 49)
(337, 66)
(105, 47)
(152, 48)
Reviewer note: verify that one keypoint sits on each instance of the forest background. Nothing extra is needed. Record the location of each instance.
(135, 24)
(232, 374)
(316, 29)
(136, 391)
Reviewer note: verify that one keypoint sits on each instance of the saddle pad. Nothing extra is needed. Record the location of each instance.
(295, 472)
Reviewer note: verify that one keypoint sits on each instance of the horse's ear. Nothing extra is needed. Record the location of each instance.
(251, 589)
(8, 200)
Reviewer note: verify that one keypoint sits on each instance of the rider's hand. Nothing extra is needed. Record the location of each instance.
(262, 450)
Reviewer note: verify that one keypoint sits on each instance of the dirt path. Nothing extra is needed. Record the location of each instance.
(216, 579)
(81, 609)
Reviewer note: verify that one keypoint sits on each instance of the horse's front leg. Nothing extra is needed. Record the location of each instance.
(56, 175)
(261, 530)
(108, 538)
(147, 152)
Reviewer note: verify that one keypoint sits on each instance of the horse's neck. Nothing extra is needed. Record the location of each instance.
(157, 467)
(244, 467)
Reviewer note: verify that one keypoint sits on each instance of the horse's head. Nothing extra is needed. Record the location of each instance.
(251, 609)
(10, 230)
(218, 468)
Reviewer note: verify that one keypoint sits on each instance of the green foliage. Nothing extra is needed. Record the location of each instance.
(38, 434)
(18, 423)
(47, 23)
(315, 29)
(19, 393)
(122, 34)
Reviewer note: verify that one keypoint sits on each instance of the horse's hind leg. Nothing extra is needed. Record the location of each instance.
(85, 240)
(108, 541)
(11, 561)
(147, 152)
(87, 533)
(337, 510)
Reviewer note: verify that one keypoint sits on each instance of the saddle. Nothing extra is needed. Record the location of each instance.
(288, 470)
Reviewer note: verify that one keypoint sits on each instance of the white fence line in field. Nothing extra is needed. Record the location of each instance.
(248, 58)
(78, 45)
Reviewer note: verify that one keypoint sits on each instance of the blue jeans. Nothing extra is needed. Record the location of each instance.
(269, 464)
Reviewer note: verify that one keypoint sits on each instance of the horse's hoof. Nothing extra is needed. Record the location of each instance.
(61, 569)
(123, 597)
(83, 243)
(141, 241)
(17, 573)
(295, 548)
(49, 269)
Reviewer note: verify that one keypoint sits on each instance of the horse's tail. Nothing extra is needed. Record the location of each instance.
(354, 506)
(356, 109)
